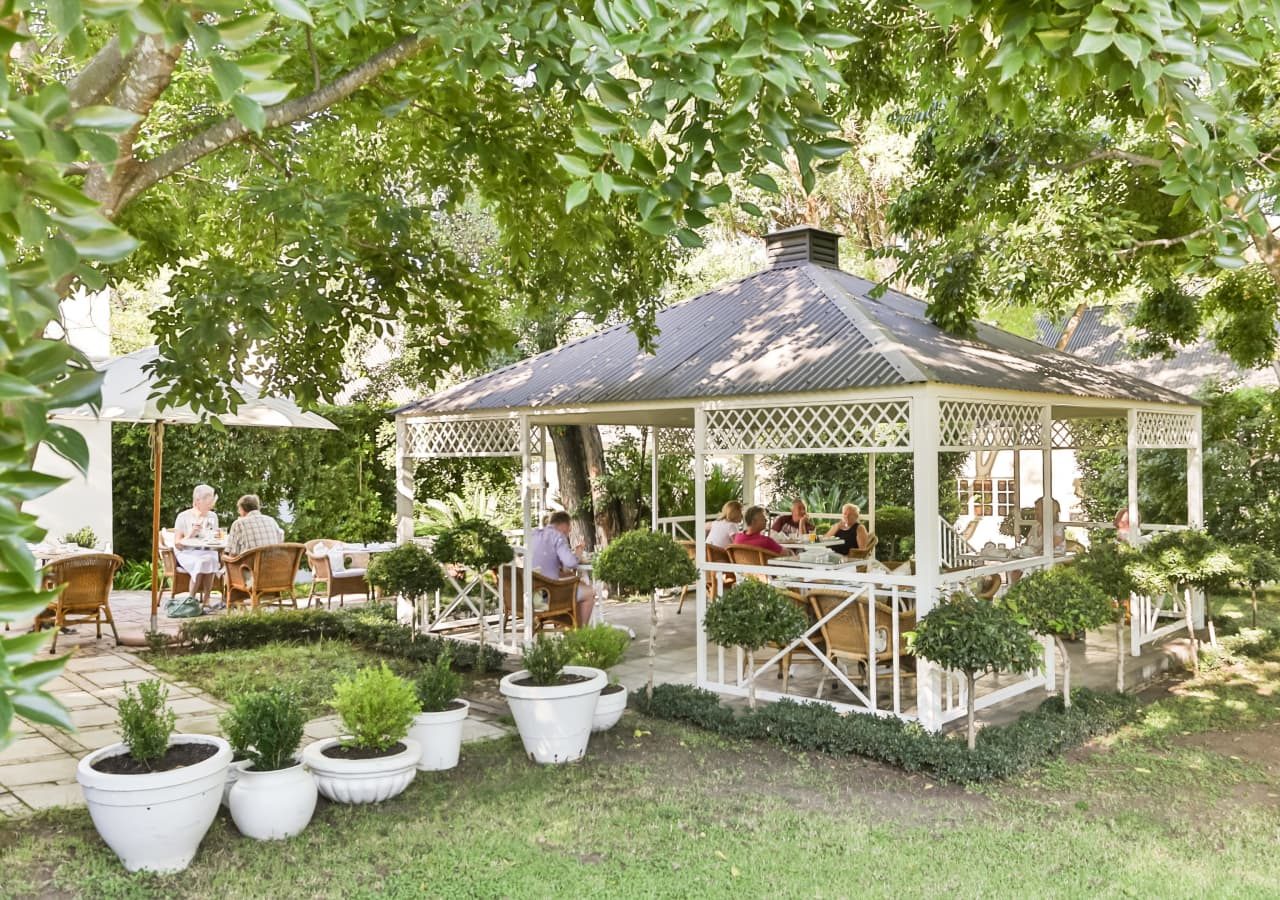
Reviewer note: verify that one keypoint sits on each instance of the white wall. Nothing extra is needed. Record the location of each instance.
(986, 529)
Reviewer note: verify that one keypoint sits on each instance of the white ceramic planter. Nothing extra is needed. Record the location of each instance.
(440, 736)
(155, 822)
(271, 806)
(361, 780)
(554, 722)
(609, 709)
(233, 772)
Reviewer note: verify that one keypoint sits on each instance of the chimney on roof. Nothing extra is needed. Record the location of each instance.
(802, 244)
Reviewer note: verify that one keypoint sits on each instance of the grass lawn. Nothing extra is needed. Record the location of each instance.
(1186, 803)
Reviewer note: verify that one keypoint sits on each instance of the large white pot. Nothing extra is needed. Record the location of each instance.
(233, 772)
(271, 806)
(440, 736)
(155, 821)
(361, 780)
(554, 722)
(609, 709)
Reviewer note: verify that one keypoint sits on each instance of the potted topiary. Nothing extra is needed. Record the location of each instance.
(646, 562)
(408, 571)
(438, 728)
(1059, 602)
(1255, 566)
(1106, 564)
(974, 636)
(153, 796)
(750, 615)
(602, 647)
(478, 546)
(376, 759)
(553, 702)
(274, 796)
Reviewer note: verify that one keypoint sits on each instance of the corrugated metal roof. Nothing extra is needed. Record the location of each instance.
(1106, 343)
(795, 329)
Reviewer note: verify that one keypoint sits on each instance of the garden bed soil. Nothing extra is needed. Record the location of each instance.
(176, 757)
(561, 682)
(337, 751)
(611, 688)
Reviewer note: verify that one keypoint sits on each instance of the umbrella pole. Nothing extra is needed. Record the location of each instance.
(157, 466)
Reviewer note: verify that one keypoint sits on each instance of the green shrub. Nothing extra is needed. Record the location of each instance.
(133, 576)
(475, 544)
(83, 537)
(545, 658)
(437, 684)
(409, 571)
(750, 615)
(1001, 751)
(1255, 566)
(600, 646)
(265, 727)
(895, 526)
(376, 706)
(145, 722)
(370, 627)
(974, 636)
(642, 562)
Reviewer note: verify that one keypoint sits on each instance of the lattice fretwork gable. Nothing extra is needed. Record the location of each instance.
(876, 425)
(1089, 434)
(675, 441)
(1161, 430)
(967, 425)
(462, 437)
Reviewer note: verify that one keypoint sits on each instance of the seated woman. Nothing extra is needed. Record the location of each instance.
(722, 530)
(199, 522)
(850, 530)
(754, 536)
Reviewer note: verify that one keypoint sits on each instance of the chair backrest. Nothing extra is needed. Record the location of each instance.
(746, 555)
(318, 555)
(865, 552)
(846, 631)
(167, 538)
(717, 554)
(691, 547)
(87, 577)
(275, 566)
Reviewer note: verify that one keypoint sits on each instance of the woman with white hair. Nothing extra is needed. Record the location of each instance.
(199, 523)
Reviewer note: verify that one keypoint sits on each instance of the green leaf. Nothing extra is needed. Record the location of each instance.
(30, 676)
(106, 245)
(65, 15)
(267, 92)
(293, 9)
(1130, 45)
(42, 709)
(70, 445)
(104, 118)
(249, 112)
(227, 76)
(1229, 261)
(577, 194)
(14, 388)
(836, 40)
(1232, 53)
(1093, 43)
(243, 31)
(574, 165)
(764, 182)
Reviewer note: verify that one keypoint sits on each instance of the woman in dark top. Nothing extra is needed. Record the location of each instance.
(849, 530)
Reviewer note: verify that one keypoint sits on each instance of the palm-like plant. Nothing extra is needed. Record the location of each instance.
(437, 516)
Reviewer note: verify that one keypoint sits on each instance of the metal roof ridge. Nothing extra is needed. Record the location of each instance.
(875, 333)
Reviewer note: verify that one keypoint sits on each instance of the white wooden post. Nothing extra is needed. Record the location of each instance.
(1131, 469)
(542, 474)
(654, 486)
(1048, 528)
(1195, 499)
(700, 530)
(748, 479)
(871, 494)
(924, 442)
(404, 483)
(526, 524)
(1017, 496)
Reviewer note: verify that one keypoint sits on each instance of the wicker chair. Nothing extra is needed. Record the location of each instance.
(264, 573)
(716, 555)
(86, 593)
(562, 600)
(865, 552)
(746, 555)
(845, 636)
(173, 579)
(349, 581)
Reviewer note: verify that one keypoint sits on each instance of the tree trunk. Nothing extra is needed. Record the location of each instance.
(605, 519)
(1208, 620)
(1120, 653)
(751, 679)
(1253, 601)
(971, 704)
(1066, 671)
(653, 642)
(575, 486)
(1189, 616)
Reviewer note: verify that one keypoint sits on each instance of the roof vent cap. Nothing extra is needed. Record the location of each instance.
(802, 244)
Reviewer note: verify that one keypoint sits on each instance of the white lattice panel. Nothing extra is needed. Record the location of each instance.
(874, 425)
(1089, 434)
(1157, 430)
(462, 437)
(675, 441)
(967, 425)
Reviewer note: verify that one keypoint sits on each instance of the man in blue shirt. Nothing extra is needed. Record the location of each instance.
(550, 554)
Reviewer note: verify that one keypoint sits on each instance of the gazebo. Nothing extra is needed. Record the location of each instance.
(804, 358)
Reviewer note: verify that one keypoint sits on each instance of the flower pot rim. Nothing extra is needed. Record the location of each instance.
(313, 757)
(245, 770)
(90, 777)
(596, 680)
(444, 715)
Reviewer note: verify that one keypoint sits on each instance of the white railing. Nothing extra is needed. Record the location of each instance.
(680, 528)
(952, 544)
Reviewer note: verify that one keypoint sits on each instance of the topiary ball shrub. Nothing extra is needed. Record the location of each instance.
(598, 646)
(409, 571)
(474, 544)
(645, 561)
(145, 722)
(750, 615)
(376, 707)
(546, 658)
(265, 727)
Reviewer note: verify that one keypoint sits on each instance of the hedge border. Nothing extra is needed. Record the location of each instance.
(1002, 751)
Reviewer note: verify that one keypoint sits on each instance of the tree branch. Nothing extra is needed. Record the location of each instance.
(1135, 159)
(1137, 246)
(100, 75)
(230, 130)
(315, 61)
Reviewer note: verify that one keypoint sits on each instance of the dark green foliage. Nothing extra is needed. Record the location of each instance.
(409, 571)
(1106, 564)
(145, 722)
(973, 636)
(599, 646)
(642, 562)
(134, 576)
(546, 657)
(376, 706)
(845, 476)
(437, 684)
(1255, 566)
(1002, 751)
(265, 727)
(1181, 559)
(1059, 602)
(752, 614)
(475, 544)
(84, 537)
(373, 628)
(895, 532)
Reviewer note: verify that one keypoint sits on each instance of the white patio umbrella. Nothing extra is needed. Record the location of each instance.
(129, 396)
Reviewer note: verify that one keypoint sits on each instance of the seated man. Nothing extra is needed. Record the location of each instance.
(797, 524)
(754, 536)
(549, 554)
(252, 529)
